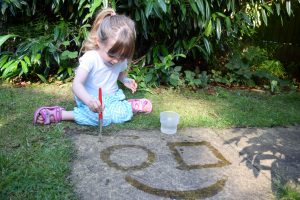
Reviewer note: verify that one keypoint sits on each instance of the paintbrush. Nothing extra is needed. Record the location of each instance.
(100, 113)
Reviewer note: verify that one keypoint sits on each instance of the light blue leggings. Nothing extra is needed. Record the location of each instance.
(116, 110)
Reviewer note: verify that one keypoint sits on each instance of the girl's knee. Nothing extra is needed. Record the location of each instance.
(121, 112)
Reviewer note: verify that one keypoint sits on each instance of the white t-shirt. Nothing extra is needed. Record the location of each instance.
(100, 74)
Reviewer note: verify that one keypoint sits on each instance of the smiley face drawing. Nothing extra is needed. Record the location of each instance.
(188, 157)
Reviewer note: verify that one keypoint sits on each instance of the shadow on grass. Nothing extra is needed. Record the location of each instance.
(272, 151)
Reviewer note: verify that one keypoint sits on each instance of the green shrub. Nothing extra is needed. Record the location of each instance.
(195, 29)
(273, 67)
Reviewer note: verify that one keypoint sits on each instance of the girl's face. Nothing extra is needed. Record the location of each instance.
(108, 59)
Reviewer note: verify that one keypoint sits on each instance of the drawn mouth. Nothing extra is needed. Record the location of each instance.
(187, 194)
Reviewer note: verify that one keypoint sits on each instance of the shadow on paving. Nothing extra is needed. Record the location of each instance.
(272, 151)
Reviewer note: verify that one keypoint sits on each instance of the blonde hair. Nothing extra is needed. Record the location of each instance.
(110, 26)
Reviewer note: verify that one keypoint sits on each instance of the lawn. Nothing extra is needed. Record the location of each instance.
(34, 160)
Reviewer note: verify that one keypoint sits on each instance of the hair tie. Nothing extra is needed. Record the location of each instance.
(112, 14)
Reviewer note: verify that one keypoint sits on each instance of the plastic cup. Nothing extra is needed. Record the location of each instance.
(169, 121)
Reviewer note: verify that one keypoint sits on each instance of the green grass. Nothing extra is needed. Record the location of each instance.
(288, 191)
(34, 160)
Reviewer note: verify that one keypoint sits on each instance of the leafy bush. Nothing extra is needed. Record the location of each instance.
(37, 55)
(166, 29)
(195, 29)
(44, 47)
(251, 66)
(194, 81)
(274, 67)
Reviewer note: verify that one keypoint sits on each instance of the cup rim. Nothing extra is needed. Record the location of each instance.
(169, 111)
(176, 116)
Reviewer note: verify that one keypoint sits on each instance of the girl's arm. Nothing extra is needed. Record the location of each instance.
(82, 94)
(128, 82)
(123, 76)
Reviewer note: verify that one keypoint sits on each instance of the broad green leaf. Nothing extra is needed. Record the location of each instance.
(228, 25)
(24, 67)
(56, 33)
(229, 5)
(149, 8)
(69, 54)
(4, 6)
(174, 79)
(17, 4)
(157, 11)
(164, 50)
(163, 6)
(192, 42)
(180, 55)
(218, 28)
(207, 10)
(10, 69)
(70, 71)
(6, 65)
(278, 8)
(246, 18)
(214, 16)
(137, 15)
(80, 4)
(113, 4)
(221, 14)
(183, 10)
(105, 3)
(148, 77)
(178, 68)
(42, 78)
(268, 8)
(3, 60)
(66, 43)
(288, 7)
(60, 69)
(232, 5)
(207, 46)
(56, 57)
(3, 38)
(185, 45)
(96, 4)
(144, 23)
(37, 58)
(27, 60)
(208, 29)
(200, 5)
(194, 7)
(264, 16)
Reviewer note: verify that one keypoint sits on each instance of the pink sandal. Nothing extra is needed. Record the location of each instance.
(47, 112)
(141, 105)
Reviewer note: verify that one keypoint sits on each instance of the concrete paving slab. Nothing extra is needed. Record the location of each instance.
(195, 163)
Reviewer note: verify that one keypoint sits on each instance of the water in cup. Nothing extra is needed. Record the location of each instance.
(169, 121)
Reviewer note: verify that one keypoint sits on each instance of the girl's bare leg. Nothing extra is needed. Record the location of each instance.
(66, 115)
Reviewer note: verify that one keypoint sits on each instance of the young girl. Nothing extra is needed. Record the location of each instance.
(107, 50)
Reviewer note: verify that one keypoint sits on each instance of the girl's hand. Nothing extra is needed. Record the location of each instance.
(95, 105)
(131, 84)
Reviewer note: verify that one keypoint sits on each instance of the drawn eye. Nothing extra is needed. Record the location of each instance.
(106, 157)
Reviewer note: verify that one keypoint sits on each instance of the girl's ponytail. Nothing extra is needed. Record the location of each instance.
(91, 42)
